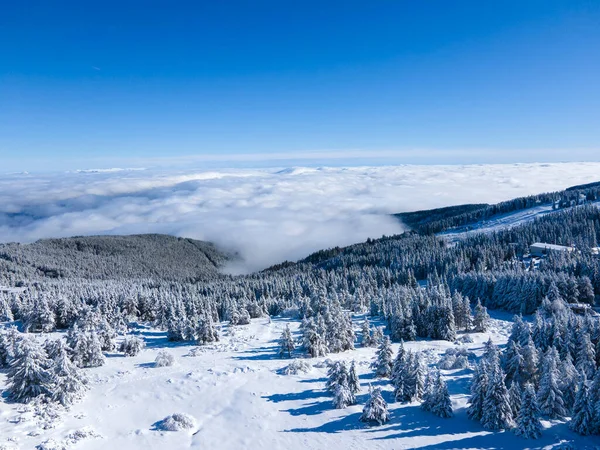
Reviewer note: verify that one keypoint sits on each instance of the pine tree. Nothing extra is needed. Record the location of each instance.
(583, 421)
(481, 319)
(375, 410)
(568, 380)
(412, 379)
(313, 341)
(29, 373)
(337, 374)
(479, 386)
(353, 383)
(497, 414)
(528, 421)
(550, 397)
(530, 363)
(342, 397)
(383, 363)
(440, 403)
(67, 381)
(286, 343)
(586, 356)
(367, 339)
(514, 398)
(514, 363)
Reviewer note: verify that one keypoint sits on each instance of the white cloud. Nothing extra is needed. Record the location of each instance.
(267, 215)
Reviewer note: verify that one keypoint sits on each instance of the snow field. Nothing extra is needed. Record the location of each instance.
(238, 400)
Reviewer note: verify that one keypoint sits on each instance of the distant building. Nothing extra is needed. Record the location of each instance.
(540, 249)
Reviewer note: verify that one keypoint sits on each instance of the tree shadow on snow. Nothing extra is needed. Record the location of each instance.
(349, 422)
(259, 354)
(312, 409)
(294, 396)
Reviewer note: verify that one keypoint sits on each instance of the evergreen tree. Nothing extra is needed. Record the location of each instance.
(481, 319)
(528, 421)
(586, 356)
(29, 374)
(313, 341)
(366, 338)
(440, 403)
(342, 396)
(353, 383)
(479, 386)
(337, 374)
(286, 343)
(383, 362)
(497, 413)
(67, 381)
(583, 420)
(375, 410)
(514, 398)
(550, 397)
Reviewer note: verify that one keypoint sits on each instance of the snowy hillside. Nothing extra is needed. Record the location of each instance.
(238, 400)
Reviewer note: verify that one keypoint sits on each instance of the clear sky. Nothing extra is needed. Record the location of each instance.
(101, 83)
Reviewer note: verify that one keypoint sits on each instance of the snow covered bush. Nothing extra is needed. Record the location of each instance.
(176, 422)
(295, 367)
(164, 359)
(131, 346)
(455, 359)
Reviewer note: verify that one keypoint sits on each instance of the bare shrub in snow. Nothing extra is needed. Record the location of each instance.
(176, 422)
(131, 346)
(295, 367)
(164, 359)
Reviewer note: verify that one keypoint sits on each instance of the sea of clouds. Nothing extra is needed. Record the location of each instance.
(266, 215)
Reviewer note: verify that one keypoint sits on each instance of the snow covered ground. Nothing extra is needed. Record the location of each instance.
(239, 400)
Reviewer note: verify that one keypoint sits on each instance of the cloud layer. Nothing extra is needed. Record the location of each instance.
(266, 215)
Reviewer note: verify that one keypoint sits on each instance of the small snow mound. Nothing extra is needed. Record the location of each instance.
(51, 444)
(323, 364)
(295, 367)
(164, 359)
(176, 422)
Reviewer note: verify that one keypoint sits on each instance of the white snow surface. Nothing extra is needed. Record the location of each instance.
(239, 400)
(267, 215)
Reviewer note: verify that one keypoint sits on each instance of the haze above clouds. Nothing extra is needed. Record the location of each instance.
(267, 215)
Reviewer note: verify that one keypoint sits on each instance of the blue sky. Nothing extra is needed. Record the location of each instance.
(110, 83)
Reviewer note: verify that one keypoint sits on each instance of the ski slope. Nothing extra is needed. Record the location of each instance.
(502, 221)
(239, 400)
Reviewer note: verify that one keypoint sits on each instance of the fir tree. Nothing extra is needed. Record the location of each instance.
(29, 374)
(67, 381)
(515, 398)
(366, 337)
(439, 403)
(375, 410)
(583, 420)
(550, 397)
(337, 374)
(353, 383)
(286, 343)
(497, 414)
(479, 385)
(585, 361)
(528, 421)
(481, 319)
(342, 396)
(383, 363)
